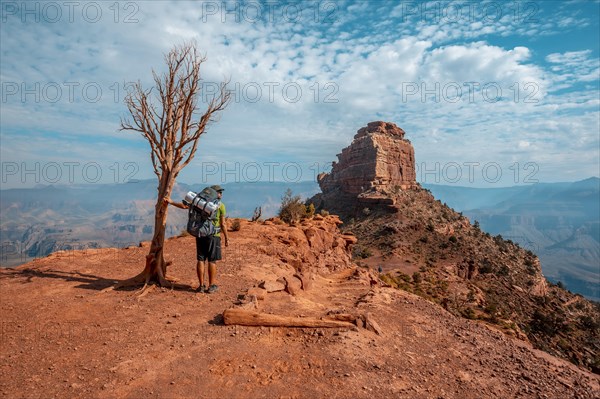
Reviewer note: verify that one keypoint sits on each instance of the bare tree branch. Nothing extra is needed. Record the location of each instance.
(172, 128)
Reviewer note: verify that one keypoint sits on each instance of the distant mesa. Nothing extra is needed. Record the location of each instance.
(378, 163)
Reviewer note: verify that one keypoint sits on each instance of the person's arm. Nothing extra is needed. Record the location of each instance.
(223, 229)
(175, 204)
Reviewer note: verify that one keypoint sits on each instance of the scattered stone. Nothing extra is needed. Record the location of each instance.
(360, 323)
(372, 325)
(305, 279)
(259, 293)
(272, 286)
(293, 285)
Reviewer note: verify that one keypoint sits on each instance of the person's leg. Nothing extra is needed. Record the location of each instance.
(212, 273)
(201, 255)
(215, 255)
(200, 271)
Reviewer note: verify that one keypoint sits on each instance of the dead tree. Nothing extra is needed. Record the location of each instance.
(257, 214)
(170, 121)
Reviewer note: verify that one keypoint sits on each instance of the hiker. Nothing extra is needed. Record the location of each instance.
(208, 249)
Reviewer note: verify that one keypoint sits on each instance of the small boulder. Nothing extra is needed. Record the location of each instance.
(259, 293)
(293, 286)
(372, 325)
(272, 286)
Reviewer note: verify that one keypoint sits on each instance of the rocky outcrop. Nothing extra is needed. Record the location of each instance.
(378, 163)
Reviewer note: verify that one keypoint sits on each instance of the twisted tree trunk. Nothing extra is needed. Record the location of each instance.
(155, 270)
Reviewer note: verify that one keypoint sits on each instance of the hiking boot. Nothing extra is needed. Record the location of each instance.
(212, 288)
(201, 288)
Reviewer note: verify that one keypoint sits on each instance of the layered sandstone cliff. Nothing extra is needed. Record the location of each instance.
(378, 163)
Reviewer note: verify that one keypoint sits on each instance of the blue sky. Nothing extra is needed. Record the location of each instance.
(490, 94)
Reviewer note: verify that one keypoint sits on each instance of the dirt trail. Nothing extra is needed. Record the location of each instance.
(64, 336)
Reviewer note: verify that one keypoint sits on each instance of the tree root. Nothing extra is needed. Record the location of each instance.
(151, 274)
(145, 290)
(130, 282)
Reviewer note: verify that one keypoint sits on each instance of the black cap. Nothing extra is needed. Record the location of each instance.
(218, 188)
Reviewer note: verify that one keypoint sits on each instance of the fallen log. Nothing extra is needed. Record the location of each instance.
(243, 317)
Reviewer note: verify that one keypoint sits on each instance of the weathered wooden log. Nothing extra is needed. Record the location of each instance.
(243, 317)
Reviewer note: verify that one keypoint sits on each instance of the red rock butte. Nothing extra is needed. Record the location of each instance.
(376, 165)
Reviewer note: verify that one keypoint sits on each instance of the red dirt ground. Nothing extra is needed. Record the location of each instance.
(64, 335)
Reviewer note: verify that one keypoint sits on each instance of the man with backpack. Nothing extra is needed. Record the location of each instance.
(208, 247)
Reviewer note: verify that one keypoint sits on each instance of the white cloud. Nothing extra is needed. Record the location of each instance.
(366, 69)
(574, 66)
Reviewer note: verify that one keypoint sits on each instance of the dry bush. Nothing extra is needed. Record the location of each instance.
(236, 225)
(293, 209)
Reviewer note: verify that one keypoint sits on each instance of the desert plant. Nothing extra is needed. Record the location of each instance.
(469, 313)
(404, 277)
(324, 212)
(362, 252)
(548, 324)
(257, 214)
(292, 209)
(503, 271)
(491, 308)
(236, 225)
(417, 278)
(589, 323)
(485, 267)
